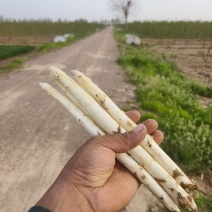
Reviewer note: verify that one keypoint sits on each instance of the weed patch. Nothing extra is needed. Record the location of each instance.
(204, 203)
(170, 97)
(7, 51)
(15, 64)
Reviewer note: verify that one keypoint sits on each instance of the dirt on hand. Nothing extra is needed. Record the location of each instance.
(38, 136)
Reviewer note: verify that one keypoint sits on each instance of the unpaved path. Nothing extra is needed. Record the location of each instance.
(37, 136)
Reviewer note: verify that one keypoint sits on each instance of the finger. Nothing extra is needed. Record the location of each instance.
(123, 142)
(134, 115)
(151, 125)
(158, 136)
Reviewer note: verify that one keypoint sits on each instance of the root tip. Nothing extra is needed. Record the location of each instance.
(75, 72)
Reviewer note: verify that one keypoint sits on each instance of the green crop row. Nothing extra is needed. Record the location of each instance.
(7, 51)
(41, 28)
(168, 96)
(171, 29)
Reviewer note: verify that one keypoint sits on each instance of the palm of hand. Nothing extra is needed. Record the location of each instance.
(111, 186)
(107, 184)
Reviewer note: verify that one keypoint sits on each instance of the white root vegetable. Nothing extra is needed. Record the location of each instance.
(86, 122)
(87, 102)
(144, 177)
(106, 122)
(70, 96)
(170, 185)
(149, 144)
(139, 172)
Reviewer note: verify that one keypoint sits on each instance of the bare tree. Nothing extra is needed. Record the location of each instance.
(124, 7)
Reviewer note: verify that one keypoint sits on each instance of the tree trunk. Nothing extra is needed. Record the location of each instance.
(126, 22)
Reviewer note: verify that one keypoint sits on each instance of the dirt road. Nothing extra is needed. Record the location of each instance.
(37, 135)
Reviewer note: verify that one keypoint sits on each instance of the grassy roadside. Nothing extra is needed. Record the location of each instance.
(204, 204)
(7, 51)
(11, 51)
(169, 97)
(18, 50)
(14, 64)
(51, 46)
(171, 29)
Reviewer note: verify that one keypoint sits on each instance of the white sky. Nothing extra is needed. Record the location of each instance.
(99, 9)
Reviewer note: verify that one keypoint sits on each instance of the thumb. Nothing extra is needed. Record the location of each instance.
(123, 142)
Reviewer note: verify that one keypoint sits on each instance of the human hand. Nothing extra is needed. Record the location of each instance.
(93, 180)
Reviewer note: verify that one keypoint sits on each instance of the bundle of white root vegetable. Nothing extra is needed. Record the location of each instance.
(98, 114)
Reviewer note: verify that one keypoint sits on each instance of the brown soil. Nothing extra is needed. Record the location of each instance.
(25, 40)
(38, 136)
(204, 183)
(193, 57)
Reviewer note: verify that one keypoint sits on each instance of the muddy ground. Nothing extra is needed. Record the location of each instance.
(38, 136)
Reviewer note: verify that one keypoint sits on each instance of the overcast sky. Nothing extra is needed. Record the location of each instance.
(99, 9)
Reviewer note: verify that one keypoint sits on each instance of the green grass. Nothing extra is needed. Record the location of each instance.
(15, 64)
(170, 97)
(7, 51)
(171, 29)
(204, 203)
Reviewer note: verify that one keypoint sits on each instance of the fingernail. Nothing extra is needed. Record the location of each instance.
(139, 128)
